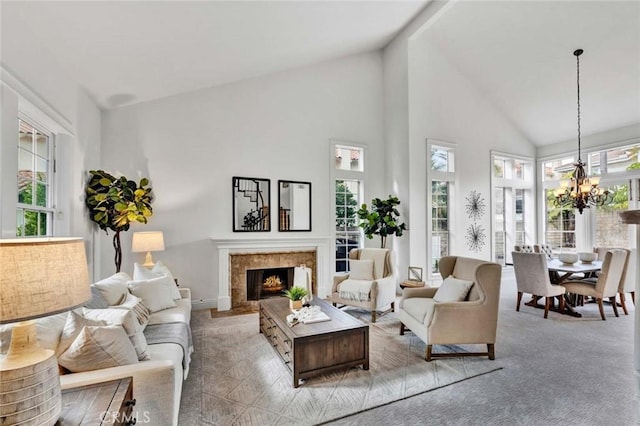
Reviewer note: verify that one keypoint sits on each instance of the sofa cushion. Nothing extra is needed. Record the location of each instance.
(420, 308)
(127, 319)
(99, 347)
(181, 313)
(113, 289)
(452, 290)
(156, 293)
(361, 269)
(73, 327)
(158, 270)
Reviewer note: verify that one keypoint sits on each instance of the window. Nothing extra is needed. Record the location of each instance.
(512, 182)
(441, 176)
(35, 166)
(348, 235)
(619, 169)
(348, 176)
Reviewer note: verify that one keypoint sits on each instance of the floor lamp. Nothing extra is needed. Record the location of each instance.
(40, 277)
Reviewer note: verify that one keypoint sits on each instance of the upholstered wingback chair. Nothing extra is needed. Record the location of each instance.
(370, 284)
(463, 310)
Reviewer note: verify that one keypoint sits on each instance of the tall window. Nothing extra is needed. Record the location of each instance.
(619, 171)
(35, 166)
(348, 172)
(441, 177)
(512, 182)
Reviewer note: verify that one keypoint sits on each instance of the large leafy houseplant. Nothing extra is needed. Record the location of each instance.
(382, 219)
(114, 203)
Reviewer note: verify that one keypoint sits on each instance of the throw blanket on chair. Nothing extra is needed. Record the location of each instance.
(172, 332)
(357, 290)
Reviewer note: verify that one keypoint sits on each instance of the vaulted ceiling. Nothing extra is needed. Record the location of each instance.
(517, 53)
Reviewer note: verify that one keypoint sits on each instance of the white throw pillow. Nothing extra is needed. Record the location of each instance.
(96, 348)
(135, 305)
(452, 290)
(361, 269)
(141, 273)
(73, 327)
(155, 293)
(113, 289)
(128, 321)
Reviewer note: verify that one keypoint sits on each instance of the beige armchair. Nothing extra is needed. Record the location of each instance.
(373, 292)
(532, 277)
(606, 285)
(472, 320)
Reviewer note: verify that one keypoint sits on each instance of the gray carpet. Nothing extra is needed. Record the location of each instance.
(236, 377)
(559, 371)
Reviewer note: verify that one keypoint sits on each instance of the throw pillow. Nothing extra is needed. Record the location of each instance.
(155, 293)
(452, 290)
(113, 289)
(73, 327)
(141, 273)
(128, 321)
(98, 347)
(135, 305)
(361, 270)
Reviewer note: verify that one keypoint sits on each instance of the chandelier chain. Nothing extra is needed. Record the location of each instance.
(578, 85)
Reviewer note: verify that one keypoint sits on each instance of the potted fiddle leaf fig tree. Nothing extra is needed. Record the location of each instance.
(382, 219)
(114, 203)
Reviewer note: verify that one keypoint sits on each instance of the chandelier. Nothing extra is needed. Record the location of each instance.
(581, 191)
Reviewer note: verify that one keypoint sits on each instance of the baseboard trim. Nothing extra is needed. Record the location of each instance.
(203, 304)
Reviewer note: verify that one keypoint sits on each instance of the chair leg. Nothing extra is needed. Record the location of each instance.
(401, 329)
(393, 306)
(492, 351)
(373, 315)
(612, 299)
(561, 303)
(428, 354)
(623, 304)
(633, 297)
(601, 309)
(547, 304)
(518, 302)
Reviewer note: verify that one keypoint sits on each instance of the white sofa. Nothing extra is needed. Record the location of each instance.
(157, 383)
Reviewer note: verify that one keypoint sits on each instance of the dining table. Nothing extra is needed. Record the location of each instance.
(560, 272)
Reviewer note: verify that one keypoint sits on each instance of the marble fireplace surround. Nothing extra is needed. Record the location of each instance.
(236, 255)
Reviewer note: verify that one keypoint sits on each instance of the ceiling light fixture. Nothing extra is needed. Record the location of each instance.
(580, 192)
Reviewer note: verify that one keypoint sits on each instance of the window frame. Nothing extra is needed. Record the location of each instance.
(23, 208)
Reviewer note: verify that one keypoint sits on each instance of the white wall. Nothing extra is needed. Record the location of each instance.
(275, 127)
(427, 98)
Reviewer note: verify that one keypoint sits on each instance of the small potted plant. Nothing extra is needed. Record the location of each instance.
(295, 295)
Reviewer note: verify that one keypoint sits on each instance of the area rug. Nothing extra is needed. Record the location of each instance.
(236, 378)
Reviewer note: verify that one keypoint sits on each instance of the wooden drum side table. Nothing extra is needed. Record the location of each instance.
(105, 403)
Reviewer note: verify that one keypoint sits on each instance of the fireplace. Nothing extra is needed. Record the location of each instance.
(236, 256)
(268, 282)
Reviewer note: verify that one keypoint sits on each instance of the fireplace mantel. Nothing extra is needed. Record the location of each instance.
(241, 245)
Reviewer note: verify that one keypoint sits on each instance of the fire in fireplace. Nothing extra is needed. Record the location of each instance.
(271, 282)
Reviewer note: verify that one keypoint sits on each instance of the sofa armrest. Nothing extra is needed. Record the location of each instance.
(337, 279)
(185, 292)
(154, 388)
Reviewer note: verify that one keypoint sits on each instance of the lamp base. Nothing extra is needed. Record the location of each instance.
(29, 381)
(148, 261)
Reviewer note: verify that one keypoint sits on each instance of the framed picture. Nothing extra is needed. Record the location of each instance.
(415, 273)
(251, 198)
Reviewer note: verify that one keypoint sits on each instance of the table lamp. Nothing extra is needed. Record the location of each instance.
(147, 242)
(39, 277)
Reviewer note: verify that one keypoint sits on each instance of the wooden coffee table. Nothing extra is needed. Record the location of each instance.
(309, 350)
